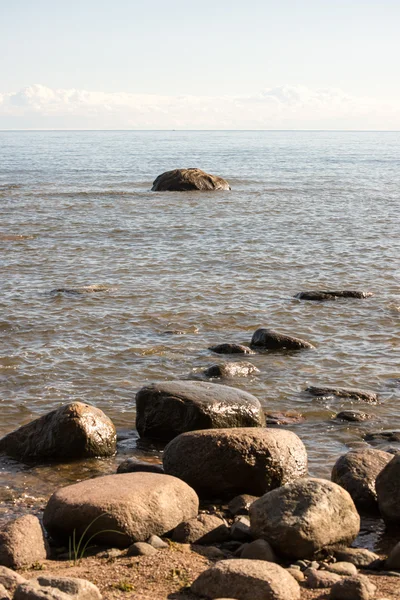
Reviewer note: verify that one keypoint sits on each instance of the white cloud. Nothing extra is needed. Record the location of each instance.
(284, 107)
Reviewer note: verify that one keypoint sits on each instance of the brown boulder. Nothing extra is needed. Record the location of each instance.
(186, 180)
(120, 509)
(75, 430)
(304, 517)
(353, 588)
(388, 490)
(22, 543)
(267, 339)
(226, 462)
(203, 529)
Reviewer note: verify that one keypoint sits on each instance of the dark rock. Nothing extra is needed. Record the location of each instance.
(75, 430)
(137, 505)
(230, 370)
(359, 557)
(223, 462)
(203, 529)
(301, 519)
(240, 505)
(22, 543)
(376, 437)
(357, 471)
(164, 410)
(258, 550)
(388, 490)
(351, 393)
(231, 349)
(185, 180)
(57, 588)
(322, 296)
(283, 418)
(393, 560)
(266, 339)
(246, 580)
(141, 549)
(356, 416)
(134, 465)
(240, 530)
(353, 588)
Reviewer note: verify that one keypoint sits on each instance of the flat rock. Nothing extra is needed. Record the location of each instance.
(164, 410)
(344, 392)
(74, 430)
(57, 588)
(320, 579)
(231, 349)
(355, 416)
(132, 506)
(224, 462)
(22, 543)
(357, 471)
(360, 557)
(258, 550)
(247, 580)
(267, 339)
(239, 505)
(302, 518)
(203, 529)
(187, 180)
(134, 465)
(231, 370)
(324, 295)
(388, 491)
(353, 588)
(9, 578)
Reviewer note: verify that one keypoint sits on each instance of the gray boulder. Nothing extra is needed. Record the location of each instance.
(22, 543)
(305, 517)
(267, 339)
(321, 296)
(75, 430)
(315, 578)
(120, 509)
(164, 410)
(388, 490)
(186, 180)
(353, 588)
(230, 370)
(239, 505)
(247, 580)
(357, 471)
(258, 550)
(57, 588)
(203, 529)
(226, 462)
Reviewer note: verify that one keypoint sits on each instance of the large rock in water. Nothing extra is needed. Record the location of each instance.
(302, 518)
(321, 296)
(186, 180)
(357, 471)
(164, 410)
(267, 339)
(227, 462)
(388, 491)
(137, 505)
(75, 430)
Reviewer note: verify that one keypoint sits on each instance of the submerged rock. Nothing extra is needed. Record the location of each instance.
(355, 416)
(322, 296)
(120, 509)
(344, 392)
(184, 180)
(22, 543)
(231, 349)
(164, 410)
(267, 339)
(302, 518)
(231, 369)
(75, 430)
(227, 462)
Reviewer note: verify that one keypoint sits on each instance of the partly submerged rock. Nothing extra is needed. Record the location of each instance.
(322, 296)
(267, 339)
(353, 416)
(120, 509)
(164, 410)
(344, 392)
(184, 180)
(230, 370)
(75, 430)
(304, 517)
(231, 349)
(227, 462)
(134, 465)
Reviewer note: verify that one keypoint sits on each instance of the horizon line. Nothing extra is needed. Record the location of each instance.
(208, 130)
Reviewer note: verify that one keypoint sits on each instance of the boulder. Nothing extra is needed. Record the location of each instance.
(22, 543)
(134, 465)
(258, 550)
(392, 561)
(357, 471)
(267, 339)
(230, 370)
(342, 568)
(353, 588)
(157, 542)
(343, 392)
(203, 529)
(239, 505)
(74, 430)
(247, 580)
(359, 557)
(164, 410)
(305, 517)
(321, 296)
(320, 579)
(225, 462)
(355, 416)
(240, 529)
(231, 349)
(379, 437)
(120, 509)
(57, 588)
(141, 549)
(388, 490)
(186, 180)
(9, 578)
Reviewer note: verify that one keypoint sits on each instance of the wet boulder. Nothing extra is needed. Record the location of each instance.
(186, 180)
(344, 392)
(231, 349)
(323, 296)
(388, 491)
(226, 462)
(353, 416)
(267, 339)
(75, 430)
(120, 509)
(303, 518)
(22, 543)
(230, 370)
(382, 437)
(134, 465)
(164, 410)
(357, 471)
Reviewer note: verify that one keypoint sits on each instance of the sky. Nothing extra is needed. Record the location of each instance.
(221, 64)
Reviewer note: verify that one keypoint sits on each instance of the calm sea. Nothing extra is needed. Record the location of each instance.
(307, 210)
